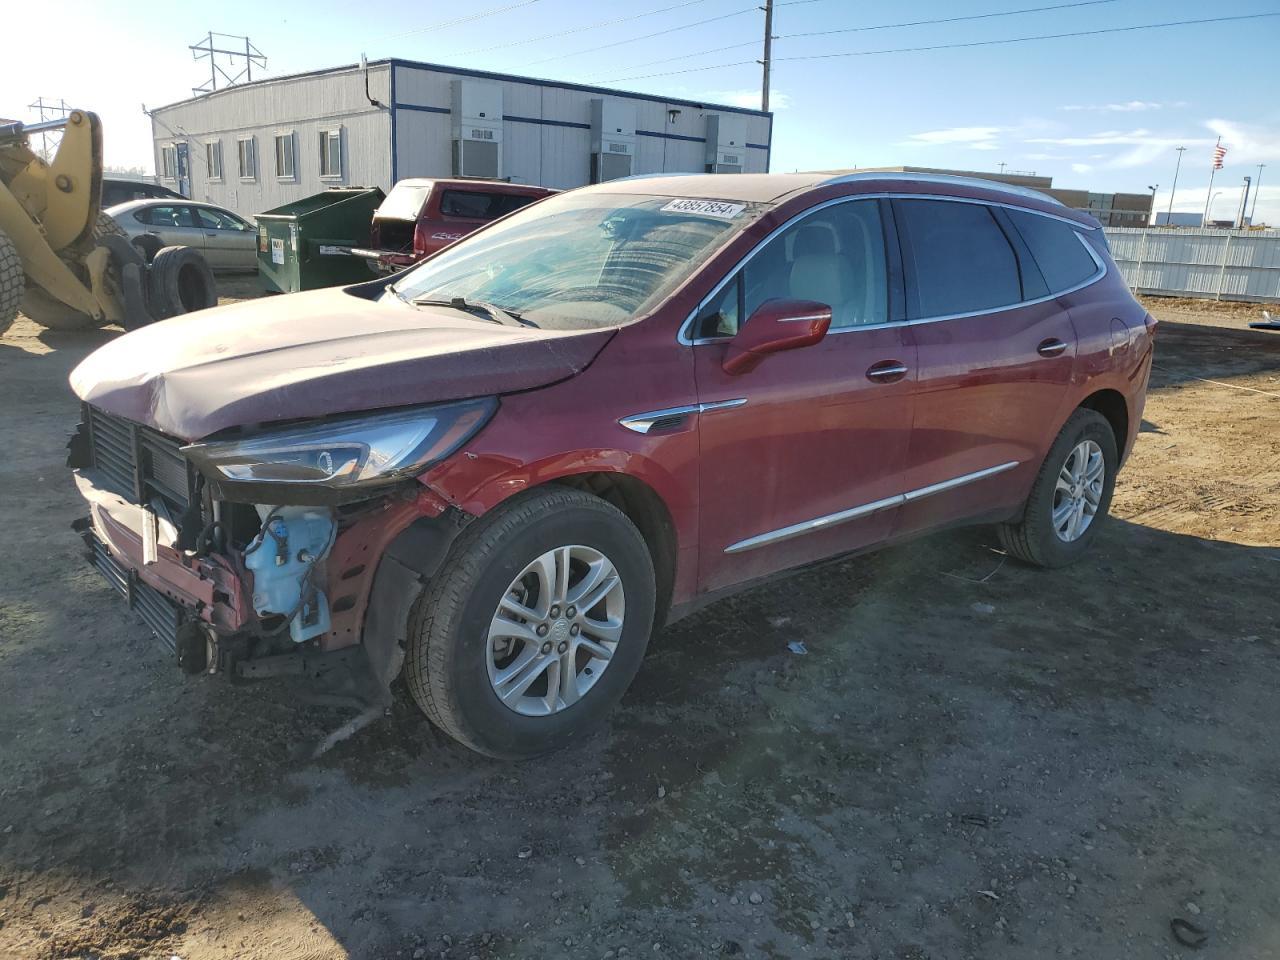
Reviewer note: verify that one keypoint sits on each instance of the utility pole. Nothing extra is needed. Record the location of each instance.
(1257, 189)
(1212, 172)
(767, 62)
(49, 110)
(1174, 188)
(240, 62)
(1002, 165)
(1244, 202)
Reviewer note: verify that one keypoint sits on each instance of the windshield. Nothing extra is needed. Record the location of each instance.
(581, 260)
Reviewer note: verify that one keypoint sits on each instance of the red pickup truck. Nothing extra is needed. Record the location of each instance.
(421, 216)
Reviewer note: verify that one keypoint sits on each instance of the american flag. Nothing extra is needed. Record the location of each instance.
(1218, 153)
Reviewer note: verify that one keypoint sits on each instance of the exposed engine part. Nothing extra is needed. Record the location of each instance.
(283, 558)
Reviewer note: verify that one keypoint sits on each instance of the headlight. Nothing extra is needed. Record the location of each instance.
(342, 457)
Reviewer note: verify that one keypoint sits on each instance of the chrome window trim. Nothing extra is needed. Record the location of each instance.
(866, 509)
(643, 422)
(995, 186)
(683, 335)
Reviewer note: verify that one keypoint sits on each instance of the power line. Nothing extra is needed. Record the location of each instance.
(878, 26)
(951, 46)
(647, 36)
(459, 20)
(586, 27)
(970, 16)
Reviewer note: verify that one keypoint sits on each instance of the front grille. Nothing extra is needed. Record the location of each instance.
(159, 613)
(140, 463)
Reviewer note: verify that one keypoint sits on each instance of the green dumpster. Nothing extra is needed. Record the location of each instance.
(307, 244)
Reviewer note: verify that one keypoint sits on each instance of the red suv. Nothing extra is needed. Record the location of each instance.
(499, 473)
(419, 217)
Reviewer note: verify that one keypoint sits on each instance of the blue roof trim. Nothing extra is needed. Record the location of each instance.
(573, 124)
(547, 123)
(670, 136)
(585, 88)
(423, 109)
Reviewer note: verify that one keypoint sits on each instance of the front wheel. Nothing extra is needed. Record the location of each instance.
(536, 625)
(1070, 497)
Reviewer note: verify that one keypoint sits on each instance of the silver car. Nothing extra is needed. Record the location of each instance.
(227, 240)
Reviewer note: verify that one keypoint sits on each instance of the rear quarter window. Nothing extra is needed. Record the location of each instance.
(1058, 248)
(469, 204)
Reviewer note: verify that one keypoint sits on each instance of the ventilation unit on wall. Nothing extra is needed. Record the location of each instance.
(477, 128)
(613, 139)
(726, 143)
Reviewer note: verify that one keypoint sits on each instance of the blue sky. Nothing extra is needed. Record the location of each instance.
(1101, 112)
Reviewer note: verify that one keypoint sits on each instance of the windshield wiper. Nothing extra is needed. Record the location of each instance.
(479, 308)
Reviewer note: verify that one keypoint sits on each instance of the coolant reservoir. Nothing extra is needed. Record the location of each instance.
(283, 559)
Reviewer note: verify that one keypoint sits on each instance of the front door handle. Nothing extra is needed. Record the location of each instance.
(1051, 348)
(887, 371)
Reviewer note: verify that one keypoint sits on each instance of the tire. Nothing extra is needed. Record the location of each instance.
(1036, 538)
(450, 656)
(12, 282)
(50, 312)
(180, 282)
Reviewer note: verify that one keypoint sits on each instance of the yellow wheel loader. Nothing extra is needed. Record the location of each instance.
(63, 262)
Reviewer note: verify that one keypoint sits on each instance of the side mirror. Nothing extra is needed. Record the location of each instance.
(775, 326)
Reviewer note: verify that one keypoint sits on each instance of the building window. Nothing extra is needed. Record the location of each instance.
(169, 162)
(213, 158)
(284, 156)
(331, 153)
(248, 164)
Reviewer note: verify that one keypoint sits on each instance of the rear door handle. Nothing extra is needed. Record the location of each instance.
(887, 371)
(1051, 348)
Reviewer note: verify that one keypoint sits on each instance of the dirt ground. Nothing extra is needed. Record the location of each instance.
(974, 759)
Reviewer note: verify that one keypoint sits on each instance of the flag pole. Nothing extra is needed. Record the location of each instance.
(1213, 169)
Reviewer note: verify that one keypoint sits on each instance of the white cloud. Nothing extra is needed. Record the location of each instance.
(1126, 106)
(749, 99)
(1081, 167)
(972, 138)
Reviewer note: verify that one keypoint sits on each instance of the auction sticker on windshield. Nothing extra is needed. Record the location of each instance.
(706, 208)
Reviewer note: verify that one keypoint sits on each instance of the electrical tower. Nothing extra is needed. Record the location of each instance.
(48, 110)
(239, 62)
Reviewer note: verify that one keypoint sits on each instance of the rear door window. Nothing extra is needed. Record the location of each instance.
(957, 258)
(1057, 248)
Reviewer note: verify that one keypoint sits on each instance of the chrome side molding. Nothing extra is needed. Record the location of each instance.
(674, 417)
(866, 509)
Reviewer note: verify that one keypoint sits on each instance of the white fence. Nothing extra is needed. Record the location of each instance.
(1214, 264)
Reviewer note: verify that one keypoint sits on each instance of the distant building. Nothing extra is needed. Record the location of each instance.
(1110, 209)
(1167, 219)
(261, 144)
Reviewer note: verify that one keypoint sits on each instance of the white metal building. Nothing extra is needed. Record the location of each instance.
(258, 145)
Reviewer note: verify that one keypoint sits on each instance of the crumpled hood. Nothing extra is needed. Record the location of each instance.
(316, 354)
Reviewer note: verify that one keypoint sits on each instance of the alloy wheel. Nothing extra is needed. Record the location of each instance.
(1078, 490)
(555, 631)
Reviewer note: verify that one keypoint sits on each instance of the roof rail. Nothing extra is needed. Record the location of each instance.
(945, 178)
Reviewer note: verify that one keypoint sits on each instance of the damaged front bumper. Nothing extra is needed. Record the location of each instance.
(187, 601)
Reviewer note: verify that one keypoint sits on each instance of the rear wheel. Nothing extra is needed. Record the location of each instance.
(1070, 497)
(12, 282)
(536, 627)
